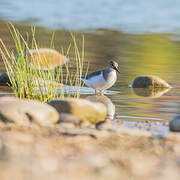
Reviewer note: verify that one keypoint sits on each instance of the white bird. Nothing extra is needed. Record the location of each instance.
(103, 79)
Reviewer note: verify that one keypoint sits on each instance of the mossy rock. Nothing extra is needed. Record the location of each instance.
(83, 109)
(149, 81)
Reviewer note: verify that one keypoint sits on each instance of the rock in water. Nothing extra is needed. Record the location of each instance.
(24, 112)
(174, 125)
(81, 108)
(149, 81)
(4, 80)
(46, 58)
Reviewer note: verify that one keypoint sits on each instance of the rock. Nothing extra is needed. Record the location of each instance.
(65, 125)
(107, 102)
(68, 118)
(150, 92)
(80, 108)
(174, 124)
(4, 80)
(149, 81)
(23, 112)
(46, 58)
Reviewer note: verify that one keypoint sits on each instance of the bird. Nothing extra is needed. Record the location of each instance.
(102, 79)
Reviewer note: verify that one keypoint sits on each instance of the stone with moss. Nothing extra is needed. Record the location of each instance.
(80, 108)
(149, 81)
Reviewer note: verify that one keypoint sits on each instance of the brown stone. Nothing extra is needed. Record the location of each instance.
(24, 112)
(80, 108)
(149, 81)
(46, 58)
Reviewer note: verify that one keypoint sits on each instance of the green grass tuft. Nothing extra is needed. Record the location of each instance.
(30, 80)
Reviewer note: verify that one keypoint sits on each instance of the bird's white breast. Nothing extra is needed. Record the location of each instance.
(98, 82)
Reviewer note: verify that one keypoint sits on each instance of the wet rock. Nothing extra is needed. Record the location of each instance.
(150, 92)
(46, 58)
(24, 112)
(174, 125)
(4, 80)
(149, 81)
(80, 108)
(107, 102)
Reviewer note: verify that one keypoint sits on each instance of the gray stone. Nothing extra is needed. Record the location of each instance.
(4, 80)
(149, 81)
(174, 124)
(24, 112)
(81, 108)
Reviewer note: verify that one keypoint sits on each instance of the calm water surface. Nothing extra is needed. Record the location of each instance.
(153, 54)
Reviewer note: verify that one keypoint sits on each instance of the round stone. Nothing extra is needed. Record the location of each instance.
(174, 124)
(149, 81)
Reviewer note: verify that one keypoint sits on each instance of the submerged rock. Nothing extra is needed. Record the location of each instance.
(149, 81)
(80, 108)
(46, 58)
(4, 80)
(150, 92)
(174, 125)
(24, 112)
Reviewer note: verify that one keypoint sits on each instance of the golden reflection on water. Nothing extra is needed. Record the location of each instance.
(152, 54)
(150, 92)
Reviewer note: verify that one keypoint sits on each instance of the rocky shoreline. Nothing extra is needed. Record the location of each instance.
(70, 138)
(75, 146)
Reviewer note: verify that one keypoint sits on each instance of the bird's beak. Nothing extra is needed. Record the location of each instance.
(117, 69)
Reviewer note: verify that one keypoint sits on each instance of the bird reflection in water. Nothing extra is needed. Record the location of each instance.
(107, 102)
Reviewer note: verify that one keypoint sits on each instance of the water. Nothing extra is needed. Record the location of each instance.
(137, 16)
(137, 54)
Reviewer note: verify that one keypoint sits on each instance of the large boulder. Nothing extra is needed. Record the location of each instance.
(149, 81)
(24, 112)
(174, 124)
(80, 108)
